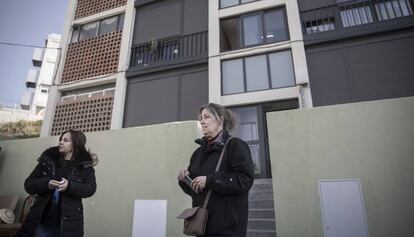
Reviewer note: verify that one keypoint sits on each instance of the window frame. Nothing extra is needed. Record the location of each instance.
(240, 3)
(261, 13)
(78, 28)
(269, 75)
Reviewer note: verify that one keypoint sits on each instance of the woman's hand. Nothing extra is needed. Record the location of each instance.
(182, 174)
(53, 184)
(63, 185)
(199, 183)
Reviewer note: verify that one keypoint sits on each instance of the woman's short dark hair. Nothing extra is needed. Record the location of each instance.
(218, 111)
(78, 142)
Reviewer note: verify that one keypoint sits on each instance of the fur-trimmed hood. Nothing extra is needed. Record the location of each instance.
(84, 159)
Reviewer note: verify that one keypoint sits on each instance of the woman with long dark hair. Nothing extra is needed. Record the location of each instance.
(230, 185)
(63, 176)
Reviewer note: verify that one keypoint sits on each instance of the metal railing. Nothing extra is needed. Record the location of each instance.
(354, 13)
(171, 48)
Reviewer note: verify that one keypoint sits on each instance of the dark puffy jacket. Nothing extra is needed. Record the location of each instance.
(228, 205)
(81, 184)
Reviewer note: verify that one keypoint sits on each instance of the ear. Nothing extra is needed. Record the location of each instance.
(222, 120)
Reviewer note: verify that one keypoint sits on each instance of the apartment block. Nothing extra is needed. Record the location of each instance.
(358, 50)
(40, 77)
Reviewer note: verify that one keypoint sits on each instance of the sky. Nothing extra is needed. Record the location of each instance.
(26, 22)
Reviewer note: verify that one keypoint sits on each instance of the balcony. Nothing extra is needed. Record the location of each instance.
(171, 50)
(32, 77)
(37, 57)
(355, 17)
(26, 99)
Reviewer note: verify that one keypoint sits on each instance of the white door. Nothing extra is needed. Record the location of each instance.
(342, 207)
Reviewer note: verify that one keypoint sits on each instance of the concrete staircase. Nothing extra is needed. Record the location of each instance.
(261, 210)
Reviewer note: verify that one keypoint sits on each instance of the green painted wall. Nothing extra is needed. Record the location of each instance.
(370, 141)
(134, 163)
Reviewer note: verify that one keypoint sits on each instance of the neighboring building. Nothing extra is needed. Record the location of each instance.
(95, 45)
(40, 77)
(14, 113)
(358, 50)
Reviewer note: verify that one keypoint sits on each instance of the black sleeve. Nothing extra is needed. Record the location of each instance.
(241, 175)
(37, 182)
(85, 188)
(186, 188)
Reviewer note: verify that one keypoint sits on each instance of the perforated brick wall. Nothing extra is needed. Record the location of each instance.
(90, 7)
(87, 115)
(92, 57)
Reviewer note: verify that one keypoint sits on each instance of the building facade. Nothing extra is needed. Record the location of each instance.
(129, 63)
(40, 77)
(123, 67)
(358, 50)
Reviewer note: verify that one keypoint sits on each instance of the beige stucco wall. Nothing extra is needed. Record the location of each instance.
(370, 141)
(134, 163)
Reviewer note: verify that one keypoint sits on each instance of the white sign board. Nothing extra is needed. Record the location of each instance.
(150, 218)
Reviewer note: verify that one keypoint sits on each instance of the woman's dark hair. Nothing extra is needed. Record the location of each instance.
(219, 112)
(78, 142)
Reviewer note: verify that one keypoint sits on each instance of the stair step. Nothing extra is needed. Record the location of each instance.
(260, 233)
(261, 213)
(262, 185)
(261, 224)
(265, 195)
(254, 204)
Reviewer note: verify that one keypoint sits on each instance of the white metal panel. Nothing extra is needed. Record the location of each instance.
(150, 218)
(343, 210)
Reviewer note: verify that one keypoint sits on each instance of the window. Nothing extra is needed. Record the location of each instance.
(88, 31)
(316, 26)
(96, 28)
(252, 29)
(230, 3)
(232, 74)
(356, 15)
(108, 25)
(44, 91)
(393, 9)
(259, 72)
(75, 35)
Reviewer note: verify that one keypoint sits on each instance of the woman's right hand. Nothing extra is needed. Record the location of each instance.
(53, 184)
(182, 174)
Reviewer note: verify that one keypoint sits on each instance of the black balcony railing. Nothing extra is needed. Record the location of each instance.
(171, 48)
(354, 13)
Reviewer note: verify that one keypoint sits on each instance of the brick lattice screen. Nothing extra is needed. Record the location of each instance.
(91, 7)
(92, 57)
(87, 115)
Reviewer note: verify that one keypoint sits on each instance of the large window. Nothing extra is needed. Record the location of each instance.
(252, 29)
(97, 28)
(259, 72)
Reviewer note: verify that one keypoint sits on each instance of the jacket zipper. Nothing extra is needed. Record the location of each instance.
(50, 196)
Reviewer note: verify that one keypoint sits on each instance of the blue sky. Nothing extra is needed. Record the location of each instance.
(24, 22)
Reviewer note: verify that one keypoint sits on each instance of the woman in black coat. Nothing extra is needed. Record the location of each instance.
(228, 205)
(63, 176)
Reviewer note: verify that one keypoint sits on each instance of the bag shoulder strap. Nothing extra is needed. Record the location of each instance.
(217, 168)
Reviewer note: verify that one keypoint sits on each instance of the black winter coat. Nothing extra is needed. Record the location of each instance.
(81, 184)
(228, 205)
